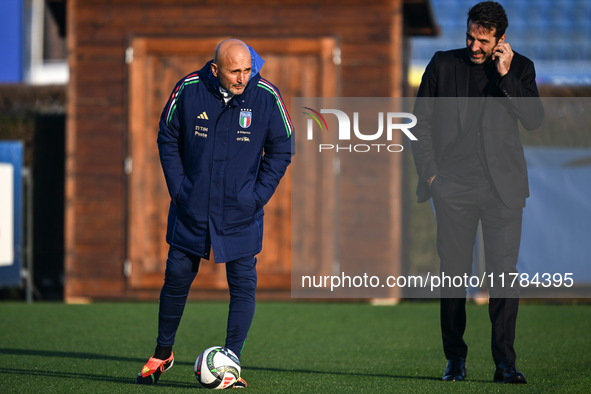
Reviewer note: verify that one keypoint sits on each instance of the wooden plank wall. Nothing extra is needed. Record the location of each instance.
(99, 31)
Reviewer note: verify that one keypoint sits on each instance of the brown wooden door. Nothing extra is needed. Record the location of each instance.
(298, 67)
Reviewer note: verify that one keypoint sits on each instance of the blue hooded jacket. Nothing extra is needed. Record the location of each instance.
(222, 162)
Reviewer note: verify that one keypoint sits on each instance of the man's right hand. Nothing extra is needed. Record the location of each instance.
(430, 180)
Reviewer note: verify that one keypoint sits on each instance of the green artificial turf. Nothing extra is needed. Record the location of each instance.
(292, 347)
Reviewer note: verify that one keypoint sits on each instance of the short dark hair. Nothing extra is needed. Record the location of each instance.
(489, 14)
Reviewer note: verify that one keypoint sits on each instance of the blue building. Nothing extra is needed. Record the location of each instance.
(33, 42)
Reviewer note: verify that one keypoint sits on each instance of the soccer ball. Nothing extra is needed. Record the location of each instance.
(217, 368)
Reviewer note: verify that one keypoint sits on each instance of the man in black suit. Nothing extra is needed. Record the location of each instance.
(470, 160)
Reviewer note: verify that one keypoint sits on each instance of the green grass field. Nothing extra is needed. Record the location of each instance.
(292, 347)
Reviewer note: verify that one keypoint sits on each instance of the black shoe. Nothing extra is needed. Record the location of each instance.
(455, 370)
(508, 373)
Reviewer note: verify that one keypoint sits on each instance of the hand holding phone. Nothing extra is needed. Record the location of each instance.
(502, 56)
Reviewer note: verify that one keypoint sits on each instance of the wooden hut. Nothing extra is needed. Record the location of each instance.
(126, 55)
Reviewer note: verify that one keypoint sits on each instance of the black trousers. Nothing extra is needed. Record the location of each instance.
(458, 209)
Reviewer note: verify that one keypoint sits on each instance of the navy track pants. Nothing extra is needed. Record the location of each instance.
(181, 269)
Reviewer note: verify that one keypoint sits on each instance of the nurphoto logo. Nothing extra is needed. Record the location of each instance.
(394, 121)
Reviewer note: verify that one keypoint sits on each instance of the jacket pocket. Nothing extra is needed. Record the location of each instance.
(240, 209)
(192, 199)
(434, 187)
(184, 191)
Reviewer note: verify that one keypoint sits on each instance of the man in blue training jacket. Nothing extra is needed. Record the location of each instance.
(225, 143)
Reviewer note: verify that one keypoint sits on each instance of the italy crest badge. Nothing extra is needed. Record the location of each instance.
(245, 118)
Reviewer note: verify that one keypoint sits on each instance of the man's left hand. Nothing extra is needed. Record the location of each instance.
(502, 55)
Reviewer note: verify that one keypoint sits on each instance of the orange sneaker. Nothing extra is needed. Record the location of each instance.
(240, 384)
(153, 369)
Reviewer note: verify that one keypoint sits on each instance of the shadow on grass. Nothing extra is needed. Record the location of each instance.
(368, 375)
(94, 356)
(86, 376)
(85, 356)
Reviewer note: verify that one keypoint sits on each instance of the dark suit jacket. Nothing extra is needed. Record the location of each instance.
(441, 121)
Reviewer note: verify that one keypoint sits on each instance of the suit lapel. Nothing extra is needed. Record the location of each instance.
(462, 80)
